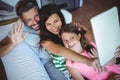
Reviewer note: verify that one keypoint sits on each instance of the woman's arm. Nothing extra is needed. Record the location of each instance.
(70, 54)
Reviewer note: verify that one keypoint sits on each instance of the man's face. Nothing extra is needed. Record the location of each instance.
(31, 18)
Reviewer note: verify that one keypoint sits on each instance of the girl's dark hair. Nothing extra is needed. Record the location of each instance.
(83, 40)
(24, 6)
(45, 12)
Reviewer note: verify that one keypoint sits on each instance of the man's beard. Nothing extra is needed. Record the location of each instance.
(32, 27)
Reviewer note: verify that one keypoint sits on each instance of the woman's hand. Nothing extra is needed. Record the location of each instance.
(96, 65)
(79, 26)
(16, 33)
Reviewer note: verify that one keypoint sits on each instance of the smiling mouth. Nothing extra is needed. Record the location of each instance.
(35, 25)
(56, 30)
(71, 46)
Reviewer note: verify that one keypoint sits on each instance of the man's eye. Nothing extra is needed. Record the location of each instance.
(27, 21)
(36, 16)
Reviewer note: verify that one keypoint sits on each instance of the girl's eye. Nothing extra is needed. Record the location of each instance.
(72, 38)
(64, 41)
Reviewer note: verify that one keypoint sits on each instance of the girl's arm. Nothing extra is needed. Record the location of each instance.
(70, 54)
(76, 75)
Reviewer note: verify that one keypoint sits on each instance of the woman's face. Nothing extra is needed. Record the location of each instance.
(53, 24)
(71, 41)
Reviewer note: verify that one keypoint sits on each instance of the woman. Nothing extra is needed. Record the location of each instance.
(50, 25)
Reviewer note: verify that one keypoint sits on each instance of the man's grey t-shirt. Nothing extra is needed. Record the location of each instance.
(33, 40)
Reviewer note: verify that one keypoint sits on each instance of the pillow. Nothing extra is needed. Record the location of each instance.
(67, 15)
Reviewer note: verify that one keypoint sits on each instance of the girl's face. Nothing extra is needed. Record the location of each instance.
(71, 41)
(53, 24)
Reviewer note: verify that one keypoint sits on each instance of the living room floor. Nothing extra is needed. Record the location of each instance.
(83, 15)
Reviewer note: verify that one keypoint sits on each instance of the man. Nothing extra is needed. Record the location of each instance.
(24, 60)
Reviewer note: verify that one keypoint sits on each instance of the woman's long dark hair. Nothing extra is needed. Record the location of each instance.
(45, 12)
(83, 40)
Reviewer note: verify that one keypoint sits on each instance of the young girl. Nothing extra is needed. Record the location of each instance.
(74, 39)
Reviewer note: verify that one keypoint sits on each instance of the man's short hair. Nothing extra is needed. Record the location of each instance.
(24, 6)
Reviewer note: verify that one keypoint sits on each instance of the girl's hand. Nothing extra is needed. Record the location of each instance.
(94, 53)
(16, 33)
(117, 53)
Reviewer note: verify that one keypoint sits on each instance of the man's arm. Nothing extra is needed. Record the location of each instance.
(6, 46)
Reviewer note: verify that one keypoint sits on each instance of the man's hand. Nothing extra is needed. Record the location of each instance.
(16, 33)
(7, 44)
